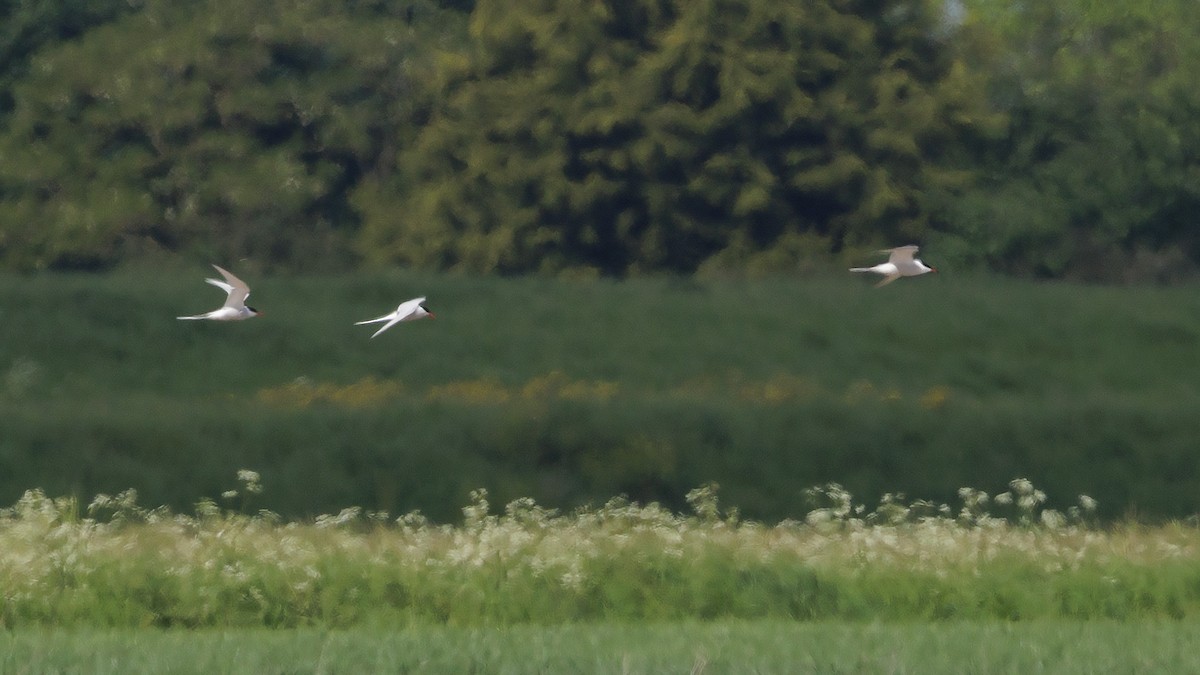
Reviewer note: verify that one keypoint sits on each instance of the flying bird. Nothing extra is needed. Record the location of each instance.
(901, 263)
(235, 308)
(407, 311)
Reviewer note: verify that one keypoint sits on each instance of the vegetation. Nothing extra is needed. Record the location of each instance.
(727, 136)
(722, 139)
(1059, 647)
(1079, 81)
(571, 392)
(223, 129)
(117, 564)
(657, 135)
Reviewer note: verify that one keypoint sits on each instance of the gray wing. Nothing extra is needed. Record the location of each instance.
(237, 289)
(902, 254)
(408, 307)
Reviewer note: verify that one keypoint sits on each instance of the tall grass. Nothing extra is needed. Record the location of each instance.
(115, 563)
(571, 392)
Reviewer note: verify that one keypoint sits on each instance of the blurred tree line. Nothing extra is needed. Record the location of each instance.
(602, 137)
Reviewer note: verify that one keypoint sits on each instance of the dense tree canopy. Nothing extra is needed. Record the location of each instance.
(227, 128)
(656, 134)
(602, 137)
(26, 26)
(1099, 160)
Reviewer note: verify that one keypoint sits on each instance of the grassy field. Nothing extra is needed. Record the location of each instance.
(573, 392)
(1060, 647)
(990, 583)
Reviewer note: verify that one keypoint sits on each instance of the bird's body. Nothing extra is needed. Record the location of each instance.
(235, 308)
(901, 263)
(410, 310)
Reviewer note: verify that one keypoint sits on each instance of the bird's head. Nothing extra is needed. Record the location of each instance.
(424, 311)
(253, 312)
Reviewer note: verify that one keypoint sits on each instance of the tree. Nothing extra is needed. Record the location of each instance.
(27, 26)
(1096, 174)
(657, 134)
(228, 129)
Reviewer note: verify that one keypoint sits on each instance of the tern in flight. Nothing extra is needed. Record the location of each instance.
(235, 308)
(901, 263)
(407, 311)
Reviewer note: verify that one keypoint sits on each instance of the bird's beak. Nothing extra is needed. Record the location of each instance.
(431, 315)
(933, 269)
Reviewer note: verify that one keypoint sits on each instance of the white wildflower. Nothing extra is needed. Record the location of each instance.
(1021, 486)
(253, 483)
(1052, 519)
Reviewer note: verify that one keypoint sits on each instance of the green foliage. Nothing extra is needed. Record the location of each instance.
(726, 136)
(28, 27)
(226, 129)
(1094, 178)
(655, 135)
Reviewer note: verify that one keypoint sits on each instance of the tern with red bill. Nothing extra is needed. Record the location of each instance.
(407, 311)
(901, 263)
(235, 308)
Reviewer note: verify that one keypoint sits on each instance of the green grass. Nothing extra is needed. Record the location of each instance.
(571, 392)
(984, 336)
(1060, 647)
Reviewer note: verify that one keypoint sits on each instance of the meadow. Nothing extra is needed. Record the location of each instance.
(446, 497)
(573, 392)
(992, 583)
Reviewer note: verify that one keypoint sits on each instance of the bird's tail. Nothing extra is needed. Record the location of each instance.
(860, 269)
(382, 318)
(189, 318)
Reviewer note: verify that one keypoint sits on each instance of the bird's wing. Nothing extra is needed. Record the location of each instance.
(902, 254)
(408, 307)
(887, 280)
(220, 284)
(237, 289)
